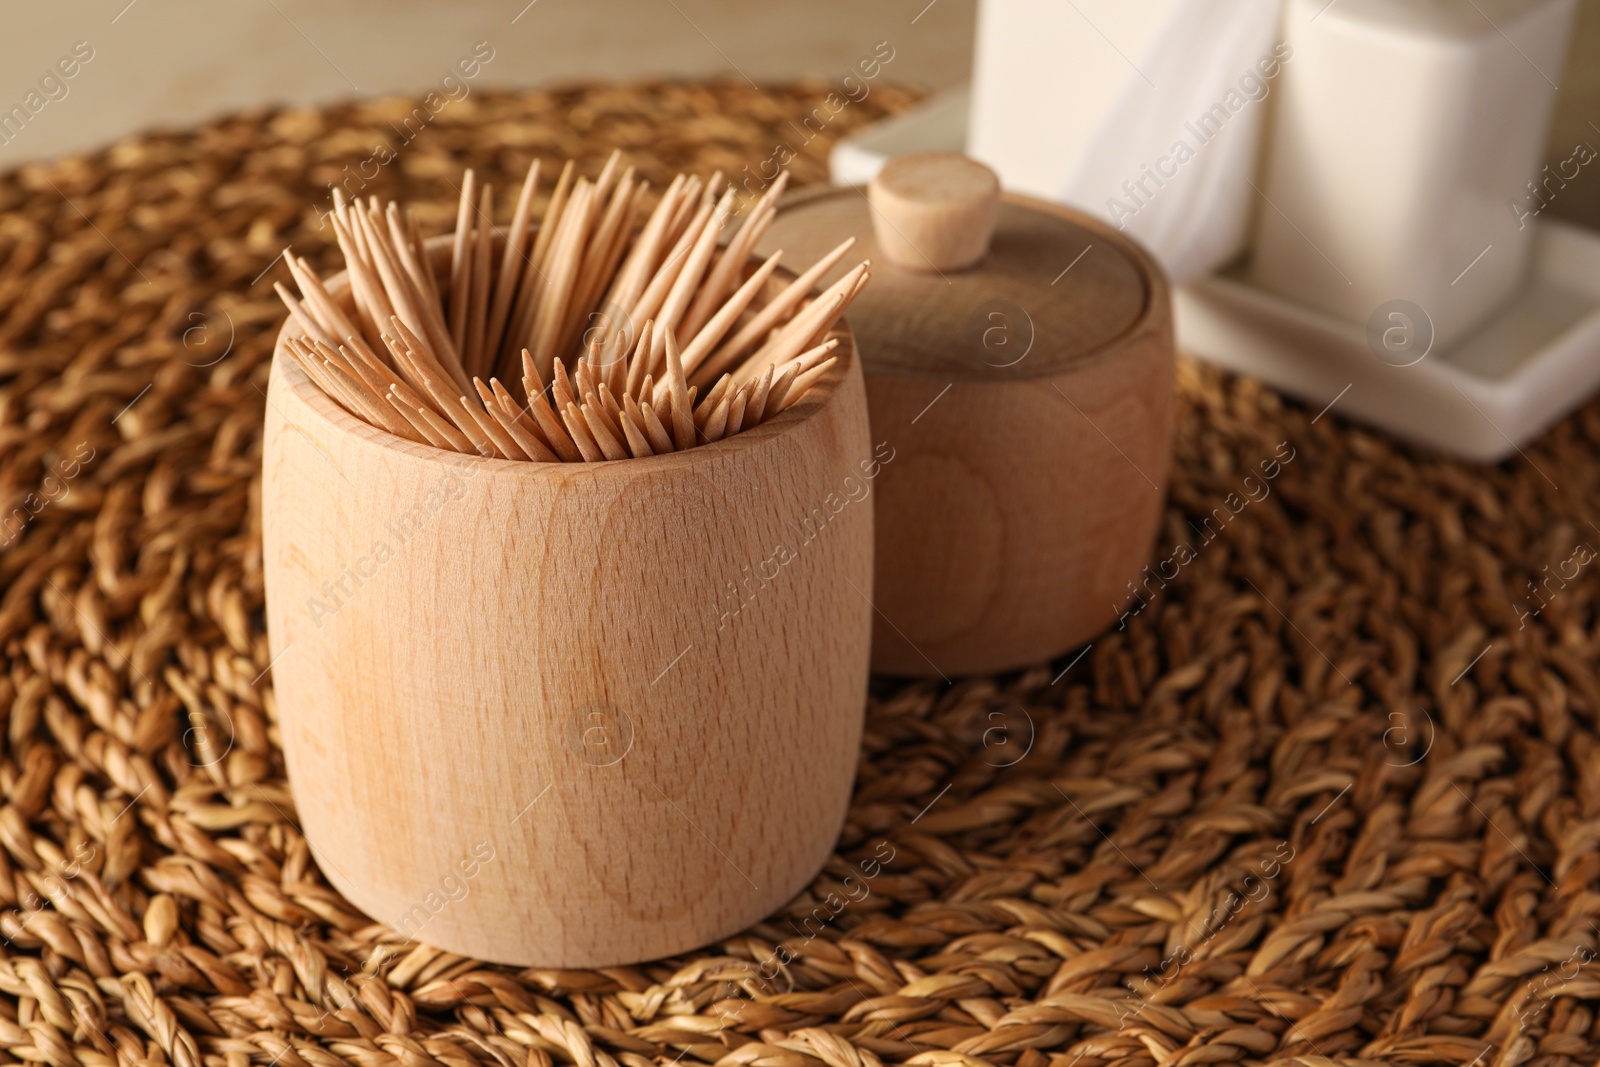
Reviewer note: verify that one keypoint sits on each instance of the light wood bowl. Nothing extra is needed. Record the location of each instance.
(1024, 497)
(533, 732)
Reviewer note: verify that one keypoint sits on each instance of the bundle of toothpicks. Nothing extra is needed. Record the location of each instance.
(622, 339)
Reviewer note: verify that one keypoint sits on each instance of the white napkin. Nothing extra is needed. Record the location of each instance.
(1210, 54)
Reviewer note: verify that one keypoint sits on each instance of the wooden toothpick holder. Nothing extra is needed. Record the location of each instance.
(1019, 361)
(568, 715)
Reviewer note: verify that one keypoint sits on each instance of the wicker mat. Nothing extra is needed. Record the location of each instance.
(1332, 791)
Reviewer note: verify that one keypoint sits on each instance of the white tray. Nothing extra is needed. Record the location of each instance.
(938, 124)
(1535, 361)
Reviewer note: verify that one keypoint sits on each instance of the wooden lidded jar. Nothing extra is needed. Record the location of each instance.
(1019, 370)
(528, 715)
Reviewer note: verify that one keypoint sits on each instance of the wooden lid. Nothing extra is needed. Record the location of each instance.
(1056, 289)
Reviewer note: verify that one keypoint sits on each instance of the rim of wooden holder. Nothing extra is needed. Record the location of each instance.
(820, 395)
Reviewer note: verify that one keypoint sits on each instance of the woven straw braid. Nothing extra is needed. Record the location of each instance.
(1044, 869)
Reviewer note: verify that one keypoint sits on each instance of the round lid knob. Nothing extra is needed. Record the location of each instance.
(934, 211)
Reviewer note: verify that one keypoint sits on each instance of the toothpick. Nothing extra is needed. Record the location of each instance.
(303, 319)
(511, 262)
(636, 415)
(431, 372)
(408, 301)
(660, 440)
(423, 431)
(695, 357)
(561, 387)
(581, 434)
(474, 359)
(417, 423)
(553, 212)
(694, 267)
(461, 263)
(609, 405)
(639, 363)
(780, 387)
(377, 373)
(805, 381)
(779, 306)
(708, 406)
(724, 275)
(638, 443)
(494, 423)
(688, 206)
(583, 378)
(595, 419)
(408, 349)
(801, 364)
(615, 375)
(452, 437)
(682, 417)
(466, 415)
(562, 276)
(518, 422)
(591, 403)
(529, 294)
(412, 260)
(321, 303)
(373, 385)
(500, 444)
(430, 383)
(655, 293)
(605, 182)
(717, 421)
(314, 369)
(715, 185)
(816, 318)
(639, 266)
(555, 431)
(757, 404)
(736, 411)
(365, 290)
(599, 261)
(420, 253)
(408, 396)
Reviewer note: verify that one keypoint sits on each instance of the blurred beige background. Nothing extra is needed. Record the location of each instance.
(173, 62)
(164, 62)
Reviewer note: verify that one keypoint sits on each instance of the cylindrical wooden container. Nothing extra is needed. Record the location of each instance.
(568, 715)
(1026, 398)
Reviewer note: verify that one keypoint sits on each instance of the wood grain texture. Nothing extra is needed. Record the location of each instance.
(1030, 411)
(544, 662)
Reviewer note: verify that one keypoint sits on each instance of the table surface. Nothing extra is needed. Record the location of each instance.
(1330, 791)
